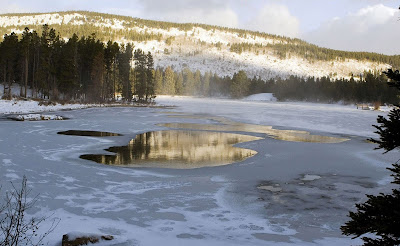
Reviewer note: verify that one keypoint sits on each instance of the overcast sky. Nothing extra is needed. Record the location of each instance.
(356, 25)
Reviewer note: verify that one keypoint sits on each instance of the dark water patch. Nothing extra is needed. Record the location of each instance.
(178, 149)
(89, 133)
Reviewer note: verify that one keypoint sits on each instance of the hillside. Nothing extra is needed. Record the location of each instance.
(207, 48)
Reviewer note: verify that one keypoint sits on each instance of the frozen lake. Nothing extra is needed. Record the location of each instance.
(289, 193)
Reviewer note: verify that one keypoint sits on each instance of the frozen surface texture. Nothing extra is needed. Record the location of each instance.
(290, 193)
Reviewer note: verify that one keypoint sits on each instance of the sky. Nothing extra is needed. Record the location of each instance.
(354, 25)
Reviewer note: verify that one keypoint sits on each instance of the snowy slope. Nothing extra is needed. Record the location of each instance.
(197, 49)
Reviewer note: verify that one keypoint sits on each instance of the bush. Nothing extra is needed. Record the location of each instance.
(15, 228)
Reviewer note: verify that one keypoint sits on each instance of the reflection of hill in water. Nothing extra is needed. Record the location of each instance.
(231, 126)
(178, 149)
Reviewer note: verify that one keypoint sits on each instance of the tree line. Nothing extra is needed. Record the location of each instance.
(372, 87)
(84, 68)
(90, 70)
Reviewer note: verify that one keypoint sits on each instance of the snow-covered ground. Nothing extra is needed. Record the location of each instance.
(261, 97)
(21, 107)
(16, 106)
(290, 193)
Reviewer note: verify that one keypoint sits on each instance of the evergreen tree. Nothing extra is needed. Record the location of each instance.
(197, 82)
(188, 82)
(140, 74)
(179, 83)
(150, 85)
(110, 59)
(380, 215)
(9, 51)
(124, 65)
(35, 63)
(25, 48)
(206, 84)
(68, 72)
(158, 81)
(240, 85)
(169, 81)
(97, 77)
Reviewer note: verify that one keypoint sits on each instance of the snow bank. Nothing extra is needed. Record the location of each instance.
(261, 97)
(36, 117)
(23, 107)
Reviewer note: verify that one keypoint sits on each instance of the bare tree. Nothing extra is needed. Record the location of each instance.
(15, 228)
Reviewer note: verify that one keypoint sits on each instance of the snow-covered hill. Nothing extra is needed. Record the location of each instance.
(200, 48)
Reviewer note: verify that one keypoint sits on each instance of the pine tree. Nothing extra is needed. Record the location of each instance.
(188, 82)
(97, 76)
(35, 63)
(110, 59)
(206, 84)
(25, 48)
(150, 86)
(9, 51)
(179, 83)
(140, 75)
(169, 81)
(68, 72)
(124, 65)
(380, 215)
(197, 82)
(240, 85)
(158, 81)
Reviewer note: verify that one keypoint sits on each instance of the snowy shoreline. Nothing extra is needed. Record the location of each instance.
(10, 107)
(23, 107)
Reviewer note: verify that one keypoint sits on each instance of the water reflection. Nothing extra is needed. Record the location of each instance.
(178, 149)
(89, 133)
(227, 125)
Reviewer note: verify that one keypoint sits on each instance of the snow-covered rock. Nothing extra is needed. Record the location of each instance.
(36, 117)
(79, 238)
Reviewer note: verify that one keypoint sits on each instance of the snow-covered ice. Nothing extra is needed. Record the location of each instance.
(333, 118)
(213, 206)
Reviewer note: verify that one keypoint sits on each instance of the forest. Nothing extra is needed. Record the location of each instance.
(83, 69)
(86, 69)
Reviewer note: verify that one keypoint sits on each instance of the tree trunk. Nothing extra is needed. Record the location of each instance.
(26, 75)
(33, 77)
